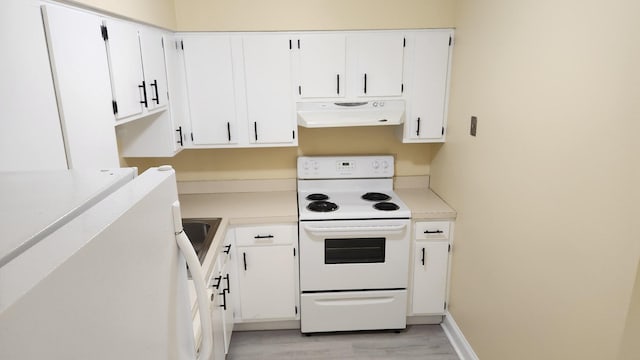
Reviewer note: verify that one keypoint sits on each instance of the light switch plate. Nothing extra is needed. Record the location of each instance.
(474, 126)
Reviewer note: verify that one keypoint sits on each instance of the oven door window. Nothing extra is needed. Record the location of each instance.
(354, 251)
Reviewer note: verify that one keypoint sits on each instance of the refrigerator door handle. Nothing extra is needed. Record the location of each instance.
(198, 280)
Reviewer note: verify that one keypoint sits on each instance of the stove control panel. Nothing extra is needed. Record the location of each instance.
(345, 167)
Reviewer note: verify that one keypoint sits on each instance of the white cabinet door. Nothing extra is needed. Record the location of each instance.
(322, 65)
(230, 293)
(81, 78)
(217, 316)
(378, 60)
(430, 277)
(267, 282)
(210, 88)
(269, 94)
(229, 285)
(154, 68)
(125, 60)
(428, 83)
(177, 87)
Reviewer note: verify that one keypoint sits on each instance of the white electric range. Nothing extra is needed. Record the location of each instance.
(354, 244)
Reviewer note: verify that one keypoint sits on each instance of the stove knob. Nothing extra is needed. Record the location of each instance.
(375, 104)
(385, 165)
(315, 165)
(375, 164)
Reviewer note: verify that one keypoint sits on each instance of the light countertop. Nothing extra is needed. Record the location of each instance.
(275, 201)
(425, 204)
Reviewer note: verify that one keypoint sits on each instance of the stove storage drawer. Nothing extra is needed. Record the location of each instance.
(353, 310)
(432, 230)
(265, 235)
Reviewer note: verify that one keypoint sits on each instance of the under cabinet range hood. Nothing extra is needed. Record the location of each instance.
(357, 113)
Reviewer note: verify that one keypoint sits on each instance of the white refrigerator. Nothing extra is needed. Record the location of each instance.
(93, 266)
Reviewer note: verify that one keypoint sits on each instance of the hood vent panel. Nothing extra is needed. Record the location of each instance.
(340, 114)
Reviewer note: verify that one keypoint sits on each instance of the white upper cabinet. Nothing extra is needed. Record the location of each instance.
(177, 88)
(81, 78)
(429, 53)
(162, 133)
(125, 63)
(154, 67)
(210, 89)
(138, 69)
(377, 60)
(322, 65)
(270, 109)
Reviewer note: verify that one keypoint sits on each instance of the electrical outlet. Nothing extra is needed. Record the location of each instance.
(474, 126)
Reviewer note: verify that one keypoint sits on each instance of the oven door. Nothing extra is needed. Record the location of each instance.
(354, 254)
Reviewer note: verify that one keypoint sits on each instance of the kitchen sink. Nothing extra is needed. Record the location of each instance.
(201, 233)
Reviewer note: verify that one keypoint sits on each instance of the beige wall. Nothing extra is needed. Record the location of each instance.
(156, 12)
(217, 15)
(280, 163)
(546, 243)
(207, 15)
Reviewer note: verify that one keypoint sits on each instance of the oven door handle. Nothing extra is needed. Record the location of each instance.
(382, 228)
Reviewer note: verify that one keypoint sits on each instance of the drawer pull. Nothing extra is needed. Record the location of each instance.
(228, 289)
(433, 231)
(423, 255)
(218, 279)
(263, 237)
(227, 249)
(224, 300)
(154, 84)
(244, 260)
(144, 92)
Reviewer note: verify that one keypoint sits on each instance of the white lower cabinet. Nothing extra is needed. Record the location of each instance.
(266, 262)
(431, 267)
(217, 317)
(222, 314)
(222, 293)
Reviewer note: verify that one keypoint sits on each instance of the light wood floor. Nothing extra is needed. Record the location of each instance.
(426, 342)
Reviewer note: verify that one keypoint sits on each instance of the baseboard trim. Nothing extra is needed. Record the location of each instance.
(457, 339)
(267, 325)
(424, 320)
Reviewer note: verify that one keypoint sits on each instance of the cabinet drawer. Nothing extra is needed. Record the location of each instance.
(265, 235)
(436, 230)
